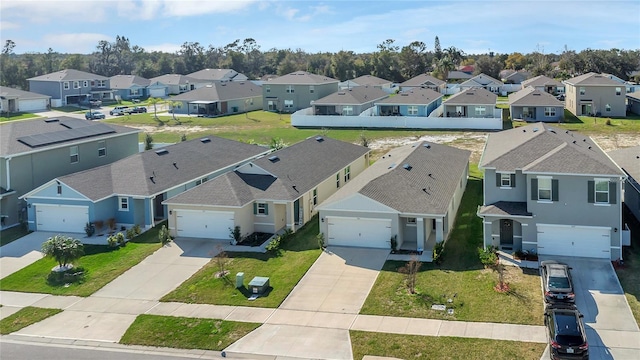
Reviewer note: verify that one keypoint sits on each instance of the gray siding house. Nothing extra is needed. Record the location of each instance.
(534, 105)
(14, 100)
(633, 102)
(413, 102)
(483, 81)
(629, 160)
(595, 94)
(292, 92)
(367, 80)
(551, 191)
(32, 152)
(424, 81)
(474, 103)
(349, 102)
(71, 86)
(220, 98)
(175, 84)
(546, 84)
(128, 87)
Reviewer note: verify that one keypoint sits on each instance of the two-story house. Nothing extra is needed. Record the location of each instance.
(551, 191)
(295, 91)
(32, 152)
(595, 94)
(71, 86)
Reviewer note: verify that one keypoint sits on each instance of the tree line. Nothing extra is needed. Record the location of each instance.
(390, 61)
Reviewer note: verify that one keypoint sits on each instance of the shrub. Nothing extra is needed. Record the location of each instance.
(437, 252)
(608, 122)
(235, 235)
(320, 238)
(130, 233)
(164, 236)
(111, 241)
(488, 256)
(120, 239)
(136, 229)
(286, 235)
(99, 224)
(59, 278)
(394, 243)
(63, 249)
(274, 244)
(89, 229)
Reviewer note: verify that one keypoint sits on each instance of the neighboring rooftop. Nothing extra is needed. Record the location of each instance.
(533, 97)
(481, 80)
(175, 79)
(370, 80)
(592, 79)
(541, 80)
(422, 80)
(353, 96)
(221, 92)
(473, 96)
(218, 75)
(68, 75)
(11, 93)
(301, 78)
(127, 81)
(413, 96)
(629, 160)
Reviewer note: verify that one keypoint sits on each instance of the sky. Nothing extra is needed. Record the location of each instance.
(476, 27)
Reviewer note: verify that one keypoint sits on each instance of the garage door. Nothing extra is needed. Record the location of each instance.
(362, 232)
(62, 218)
(162, 92)
(33, 105)
(204, 224)
(582, 241)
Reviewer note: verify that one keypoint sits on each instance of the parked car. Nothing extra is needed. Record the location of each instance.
(560, 97)
(95, 103)
(136, 110)
(93, 115)
(556, 281)
(119, 110)
(565, 331)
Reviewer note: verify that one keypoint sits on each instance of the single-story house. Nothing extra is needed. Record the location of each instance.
(218, 75)
(533, 105)
(456, 76)
(131, 190)
(220, 98)
(473, 102)
(411, 194)
(175, 84)
(516, 77)
(128, 87)
(15, 100)
(546, 84)
(349, 102)
(424, 81)
(629, 160)
(633, 102)
(269, 194)
(412, 102)
(367, 80)
(483, 81)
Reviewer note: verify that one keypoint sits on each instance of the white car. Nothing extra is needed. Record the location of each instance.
(119, 110)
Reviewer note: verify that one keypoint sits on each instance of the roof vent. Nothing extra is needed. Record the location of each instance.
(162, 151)
(407, 167)
(427, 146)
(566, 131)
(274, 158)
(392, 166)
(589, 147)
(404, 94)
(175, 164)
(205, 140)
(553, 131)
(469, 93)
(319, 139)
(585, 140)
(535, 129)
(342, 93)
(524, 130)
(51, 120)
(574, 141)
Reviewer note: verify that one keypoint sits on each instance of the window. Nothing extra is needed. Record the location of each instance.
(288, 104)
(347, 110)
(312, 89)
(66, 85)
(73, 154)
(337, 180)
(481, 110)
(59, 190)
(526, 112)
(607, 107)
(411, 221)
(135, 92)
(544, 189)
(618, 91)
(347, 174)
(102, 83)
(602, 191)
(85, 83)
(582, 91)
(102, 148)
(261, 209)
(203, 180)
(290, 89)
(182, 88)
(459, 110)
(315, 197)
(549, 111)
(267, 88)
(76, 84)
(123, 203)
(412, 110)
(505, 180)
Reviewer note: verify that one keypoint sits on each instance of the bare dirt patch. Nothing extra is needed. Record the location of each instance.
(472, 141)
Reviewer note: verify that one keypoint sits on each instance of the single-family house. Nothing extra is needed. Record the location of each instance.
(349, 102)
(482, 81)
(630, 85)
(411, 194)
(218, 75)
(15, 100)
(457, 77)
(32, 152)
(629, 160)
(71, 86)
(424, 81)
(292, 92)
(128, 87)
(633, 102)
(546, 84)
(473, 103)
(516, 77)
(368, 80)
(552, 192)
(131, 191)
(276, 192)
(413, 102)
(533, 105)
(220, 98)
(175, 84)
(595, 94)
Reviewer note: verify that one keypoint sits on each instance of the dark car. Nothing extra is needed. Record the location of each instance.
(556, 282)
(565, 330)
(136, 110)
(93, 115)
(560, 97)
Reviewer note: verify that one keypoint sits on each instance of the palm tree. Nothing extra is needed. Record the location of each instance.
(175, 105)
(64, 250)
(443, 66)
(155, 101)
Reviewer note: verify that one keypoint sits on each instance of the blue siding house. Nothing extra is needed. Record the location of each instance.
(71, 86)
(128, 87)
(413, 102)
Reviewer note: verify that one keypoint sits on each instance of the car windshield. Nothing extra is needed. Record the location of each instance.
(569, 340)
(567, 328)
(558, 282)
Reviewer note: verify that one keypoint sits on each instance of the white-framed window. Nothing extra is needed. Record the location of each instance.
(459, 110)
(314, 199)
(288, 104)
(123, 203)
(102, 148)
(347, 110)
(101, 83)
(505, 180)
(549, 111)
(582, 91)
(182, 88)
(412, 110)
(411, 221)
(481, 110)
(262, 209)
(76, 84)
(267, 88)
(85, 83)
(618, 91)
(347, 173)
(59, 189)
(290, 89)
(203, 180)
(66, 85)
(312, 89)
(607, 107)
(601, 188)
(135, 92)
(337, 180)
(544, 189)
(73, 154)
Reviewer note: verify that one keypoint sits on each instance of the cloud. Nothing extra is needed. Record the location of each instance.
(6, 25)
(74, 43)
(48, 11)
(182, 8)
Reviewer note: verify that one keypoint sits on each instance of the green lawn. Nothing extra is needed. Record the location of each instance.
(460, 274)
(429, 347)
(185, 333)
(284, 271)
(25, 317)
(12, 234)
(629, 274)
(17, 116)
(101, 263)
(70, 109)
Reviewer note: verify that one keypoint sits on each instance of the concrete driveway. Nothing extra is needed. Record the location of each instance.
(611, 329)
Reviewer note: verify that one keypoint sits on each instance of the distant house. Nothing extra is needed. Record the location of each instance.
(424, 81)
(413, 102)
(471, 103)
(131, 190)
(33, 152)
(218, 75)
(14, 100)
(367, 80)
(629, 160)
(534, 105)
(349, 102)
(633, 102)
(517, 77)
(175, 83)
(484, 82)
(595, 94)
(631, 86)
(71, 86)
(275, 192)
(219, 99)
(128, 87)
(292, 92)
(456, 76)
(546, 84)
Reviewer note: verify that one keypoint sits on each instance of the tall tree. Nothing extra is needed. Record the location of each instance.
(385, 61)
(412, 59)
(442, 68)
(456, 55)
(192, 54)
(489, 66)
(437, 49)
(8, 67)
(342, 65)
(515, 61)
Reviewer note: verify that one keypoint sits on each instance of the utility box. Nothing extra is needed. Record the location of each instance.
(259, 285)
(239, 280)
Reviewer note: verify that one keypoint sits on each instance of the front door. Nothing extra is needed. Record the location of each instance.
(586, 109)
(159, 208)
(506, 233)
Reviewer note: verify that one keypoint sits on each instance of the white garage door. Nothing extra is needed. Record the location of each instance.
(33, 105)
(204, 224)
(161, 92)
(362, 232)
(62, 218)
(582, 241)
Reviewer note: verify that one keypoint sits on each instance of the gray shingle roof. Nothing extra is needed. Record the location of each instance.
(456, 75)
(11, 93)
(634, 95)
(149, 173)
(540, 148)
(427, 188)
(629, 160)
(353, 96)
(68, 75)
(421, 80)
(215, 74)
(541, 80)
(370, 80)
(532, 97)
(127, 81)
(481, 80)
(175, 79)
(12, 130)
(302, 78)
(299, 168)
(474, 96)
(413, 96)
(222, 92)
(505, 208)
(592, 79)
